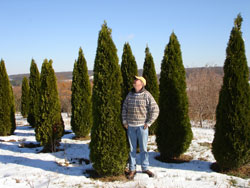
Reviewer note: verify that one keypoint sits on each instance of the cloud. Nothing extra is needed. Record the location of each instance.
(130, 37)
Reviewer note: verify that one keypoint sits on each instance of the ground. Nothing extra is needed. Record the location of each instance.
(21, 164)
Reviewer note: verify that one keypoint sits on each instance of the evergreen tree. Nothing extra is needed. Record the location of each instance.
(7, 103)
(108, 146)
(231, 144)
(174, 134)
(34, 84)
(25, 97)
(129, 70)
(81, 120)
(50, 127)
(152, 86)
(12, 111)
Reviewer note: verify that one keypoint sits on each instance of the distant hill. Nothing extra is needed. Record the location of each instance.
(17, 79)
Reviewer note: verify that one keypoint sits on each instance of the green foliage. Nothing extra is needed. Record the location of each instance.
(108, 146)
(12, 111)
(81, 120)
(174, 134)
(7, 103)
(129, 70)
(34, 85)
(25, 97)
(152, 86)
(50, 127)
(231, 144)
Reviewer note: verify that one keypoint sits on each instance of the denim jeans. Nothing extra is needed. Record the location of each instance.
(141, 134)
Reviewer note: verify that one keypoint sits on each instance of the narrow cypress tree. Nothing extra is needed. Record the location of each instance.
(129, 69)
(7, 103)
(25, 97)
(81, 120)
(34, 84)
(50, 126)
(152, 86)
(231, 144)
(174, 132)
(108, 146)
(12, 111)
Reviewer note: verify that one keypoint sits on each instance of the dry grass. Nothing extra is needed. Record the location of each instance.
(81, 138)
(12, 140)
(94, 175)
(181, 159)
(206, 144)
(242, 172)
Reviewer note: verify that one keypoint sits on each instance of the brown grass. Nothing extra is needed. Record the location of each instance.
(181, 159)
(11, 140)
(242, 172)
(81, 138)
(206, 144)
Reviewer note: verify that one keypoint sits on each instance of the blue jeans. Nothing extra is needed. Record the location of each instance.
(141, 134)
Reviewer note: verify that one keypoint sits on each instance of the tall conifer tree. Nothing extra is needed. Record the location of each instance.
(81, 120)
(34, 85)
(50, 126)
(129, 69)
(7, 103)
(25, 97)
(152, 86)
(174, 132)
(231, 144)
(12, 111)
(108, 146)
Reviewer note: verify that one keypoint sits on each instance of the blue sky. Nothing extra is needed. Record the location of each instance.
(55, 29)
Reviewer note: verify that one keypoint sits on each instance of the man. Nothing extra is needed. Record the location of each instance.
(139, 112)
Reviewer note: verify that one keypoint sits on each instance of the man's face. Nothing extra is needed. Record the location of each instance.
(137, 84)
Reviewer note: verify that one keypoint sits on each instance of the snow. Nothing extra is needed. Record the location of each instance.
(26, 167)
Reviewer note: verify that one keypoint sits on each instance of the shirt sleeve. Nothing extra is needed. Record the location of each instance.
(153, 110)
(125, 111)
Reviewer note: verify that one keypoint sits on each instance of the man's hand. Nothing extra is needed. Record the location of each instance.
(145, 126)
(126, 126)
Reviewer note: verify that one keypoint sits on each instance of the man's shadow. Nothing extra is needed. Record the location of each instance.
(193, 165)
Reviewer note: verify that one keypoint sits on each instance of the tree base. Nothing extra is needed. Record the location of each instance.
(81, 138)
(242, 172)
(180, 159)
(94, 175)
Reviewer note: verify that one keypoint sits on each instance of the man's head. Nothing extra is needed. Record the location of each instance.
(139, 83)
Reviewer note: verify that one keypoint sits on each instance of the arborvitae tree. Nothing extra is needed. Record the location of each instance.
(81, 120)
(25, 97)
(7, 103)
(50, 127)
(152, 86)
(129, 70)
(108, 146)
(34, 84)
(12, 111)
(174, 134)
(231, 144)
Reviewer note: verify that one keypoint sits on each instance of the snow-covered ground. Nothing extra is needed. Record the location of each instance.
(25, 167)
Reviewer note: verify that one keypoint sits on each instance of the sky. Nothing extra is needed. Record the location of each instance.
(56, 29)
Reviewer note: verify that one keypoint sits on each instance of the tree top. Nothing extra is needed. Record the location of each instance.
(238, 21)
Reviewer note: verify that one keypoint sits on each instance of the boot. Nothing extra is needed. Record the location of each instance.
(131, 175)
(149, 173)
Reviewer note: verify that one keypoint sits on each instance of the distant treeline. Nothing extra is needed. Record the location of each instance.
(16, 79)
